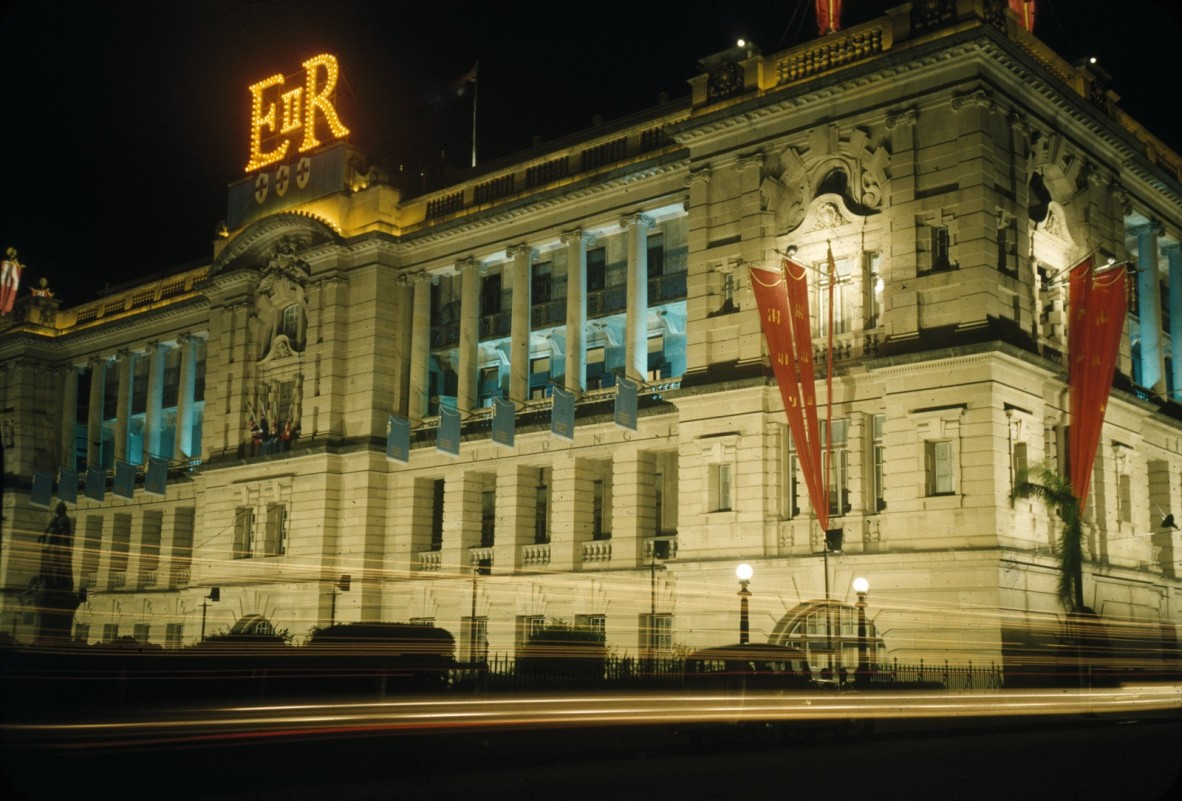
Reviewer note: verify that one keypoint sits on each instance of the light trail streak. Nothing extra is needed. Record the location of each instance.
(674, 709)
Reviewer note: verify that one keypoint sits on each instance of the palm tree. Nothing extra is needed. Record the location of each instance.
(1056, 491)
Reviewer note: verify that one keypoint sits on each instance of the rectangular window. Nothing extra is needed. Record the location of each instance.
(876, 444)
(937, 467)
(243, 532)
(873, 289)
(839, 487)
(940, 244)
(488, 518)
(528, 626)
(142, 632)
(791, 499)
(593, 623)
(173, 634)
(541, 512)
(275, 536)
(437, 515)
(1021, 463)
(473, 645)
(599, 530)
(596, 269)
(720, 487)
(110, 632)
(541, 285)
(841, 287)
(81, 632)
(1126, 498)
(656, 635)
(656, 255)
(490, 295)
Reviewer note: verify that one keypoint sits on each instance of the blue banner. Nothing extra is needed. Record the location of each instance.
(504, 424)
(42, 491)
(398, 439)
(67, 485)
(156, 478)
(626, 390)
(96, 483)
(562, 415)
(448, 437)
(124, 485)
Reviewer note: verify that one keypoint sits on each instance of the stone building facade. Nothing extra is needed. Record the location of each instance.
(953, 164)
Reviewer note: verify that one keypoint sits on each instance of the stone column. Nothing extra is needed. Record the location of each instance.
(522, 256)
(94, 417)
(153, 414)
(576, 309)
(420, 347)
(126, 360)
(636, 316)
(69, 420)
(184, 399)
(1173, 254)
(1149, 306)
(467, 385)
(405, 334)
(570, 493)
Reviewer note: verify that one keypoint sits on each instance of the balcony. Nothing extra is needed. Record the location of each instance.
(117, 581)
(178, 576)
(535, 555)
(597, 551)
(430, 561)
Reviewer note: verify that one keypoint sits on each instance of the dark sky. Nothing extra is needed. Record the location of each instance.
(124, 121)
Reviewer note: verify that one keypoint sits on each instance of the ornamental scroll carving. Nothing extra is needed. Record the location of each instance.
(849, 166)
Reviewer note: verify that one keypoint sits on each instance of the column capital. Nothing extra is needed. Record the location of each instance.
(977, 97)
(471, 263)
(185, 338)
(750, 160)
(639, 219)
(418, 278)
(521, 249)
(577, 235)
(1152, 227)
(96, 361)
(1171, 249)
(702, 174)
(908, 116)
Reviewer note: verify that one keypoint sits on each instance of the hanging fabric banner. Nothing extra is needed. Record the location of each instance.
(96, 483)
(562, 414)
(448, 437)
(1097, 302)
(124, 484)
(398, 439)
(42, 491)
(1025, 11)
(626, 390)
(828, 16)
(784, 315)
(67, 485)
(504, 424)
(156, 478)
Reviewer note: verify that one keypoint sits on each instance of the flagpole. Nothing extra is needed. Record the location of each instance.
(475, 92)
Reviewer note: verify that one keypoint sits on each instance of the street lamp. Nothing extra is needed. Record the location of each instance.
(862, 676)
(743, 571)
(215, 595)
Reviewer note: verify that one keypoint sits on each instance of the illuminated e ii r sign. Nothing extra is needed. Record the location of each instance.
(277, 114)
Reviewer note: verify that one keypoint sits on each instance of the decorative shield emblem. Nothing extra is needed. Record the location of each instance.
(282, 176)
(261, 185)
(303, 171)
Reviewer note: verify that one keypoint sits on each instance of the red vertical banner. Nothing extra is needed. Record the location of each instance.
(1098, 302)
(828, 16)
(782, 298)
(1025, 11)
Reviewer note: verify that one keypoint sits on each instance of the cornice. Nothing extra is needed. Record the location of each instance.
(416, 241)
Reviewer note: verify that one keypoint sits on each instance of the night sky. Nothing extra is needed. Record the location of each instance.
(124, 121)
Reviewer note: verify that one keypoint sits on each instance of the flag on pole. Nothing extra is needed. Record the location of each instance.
(1025, 11)
(782, 298)
(459, 86)
(398, 439)
(1097, 306)
(10, 280)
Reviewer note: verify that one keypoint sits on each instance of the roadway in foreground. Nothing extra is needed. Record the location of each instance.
(1114, 745)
